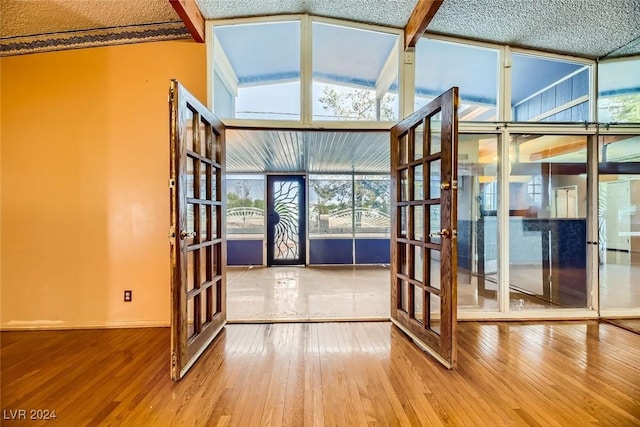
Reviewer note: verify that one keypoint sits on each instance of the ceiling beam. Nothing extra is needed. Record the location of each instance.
(418, 21)
(190, 14)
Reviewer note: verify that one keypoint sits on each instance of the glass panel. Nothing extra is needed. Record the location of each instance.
(619, 91)
(204, 212)
(286, 203)
(434, 223)
(203, 180)
(215, 195)
(190, 224)
(403, 143)
(434, 268)
(372, 197)
(619, 148)
(549, 90)
(403, 221)
(331, 211)
(435, 134)
(403, 258)
(191, 280)
(404, 295)
(434, 313)
(214, 222)
(418, 222)
(190, 118)
(205, 313)
(441, 65)
(215, 260)
(191, 331)
(418, 143)
(352, 78)
(434, 179)
(245, 206)
(418, 183)
(477, 222)
(418, 262)
(190, 177)
(548, 221)
(258, 71)
(205, 141)
(403, 193)
(619, 229)
(418, 300)
(205, 264)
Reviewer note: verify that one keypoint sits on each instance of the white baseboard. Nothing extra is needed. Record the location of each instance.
(51, 325)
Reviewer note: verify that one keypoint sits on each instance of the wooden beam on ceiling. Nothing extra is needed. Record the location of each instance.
(190, 14)
(423, 13)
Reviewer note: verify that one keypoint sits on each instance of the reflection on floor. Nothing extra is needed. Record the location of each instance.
(308, 293)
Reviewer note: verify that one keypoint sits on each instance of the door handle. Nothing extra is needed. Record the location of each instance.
(184, 234)
(443, 233)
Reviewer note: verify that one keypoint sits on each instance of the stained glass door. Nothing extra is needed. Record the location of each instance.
(286, 231)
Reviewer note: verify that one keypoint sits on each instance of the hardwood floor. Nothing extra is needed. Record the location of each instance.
(328, 374)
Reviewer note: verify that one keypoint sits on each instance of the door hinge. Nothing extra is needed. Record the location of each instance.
(172, 183)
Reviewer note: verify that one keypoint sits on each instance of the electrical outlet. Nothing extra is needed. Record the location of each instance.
(128, 295)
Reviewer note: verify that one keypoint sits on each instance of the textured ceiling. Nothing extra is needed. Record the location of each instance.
(589, 28)
(32, 17)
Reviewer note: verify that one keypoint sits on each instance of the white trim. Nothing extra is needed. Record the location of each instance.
(406, 103)
(329, 125)
(551, 55)
(388, 73)
(201, 350)
(619, 312)
(417, 341)
(306, 70)
(49, 325)
(225, 70)
(356, 25)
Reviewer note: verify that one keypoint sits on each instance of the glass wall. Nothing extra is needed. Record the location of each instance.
(443, 64)
(619, 221)
(545, 89)
(245, 219)
(477, 222)
(548, 221)
(355, 74)
(619, 91)
(257, 71)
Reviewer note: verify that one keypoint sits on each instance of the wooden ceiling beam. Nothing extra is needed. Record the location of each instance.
(190, 14)
(423, 13)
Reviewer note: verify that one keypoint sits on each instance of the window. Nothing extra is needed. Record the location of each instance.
(549, 90)
(441, 65)
(619, 91)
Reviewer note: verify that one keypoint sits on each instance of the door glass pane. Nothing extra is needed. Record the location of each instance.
(204, 209)
(190, 120)
(191, 280)
(418, 263)
(435, 134)
(190, 230)
(203, 180)
(403, 261)
(434, 313)
(434, 223)
(434, 179)
(190, 178)
(477, 222)
(402, 233)
(205, 314)
(205, 141)
(286, 205)
(548, 221)
(191, 330)
(418, 143)
(418, 183)
(418, 222)
(403, 193)
(404, 295)
(418, 300)
(434, 268)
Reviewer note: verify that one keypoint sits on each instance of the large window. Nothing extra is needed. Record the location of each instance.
(257, 71)
(442, 64)
(545, 89)
(330, 206)
(619, 91)
(245, 206)
(355, 74)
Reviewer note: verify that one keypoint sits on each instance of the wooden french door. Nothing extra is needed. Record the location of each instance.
(198, 257)
(424, 233)
(286, 231)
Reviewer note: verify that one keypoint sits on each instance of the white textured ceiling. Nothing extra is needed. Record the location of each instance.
(34, 17)
(590, 28)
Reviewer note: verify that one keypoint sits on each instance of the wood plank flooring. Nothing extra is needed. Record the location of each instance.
(328, 374)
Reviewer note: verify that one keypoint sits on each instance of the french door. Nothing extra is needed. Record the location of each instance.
(424, 226)
(196, 234)
(286, 225)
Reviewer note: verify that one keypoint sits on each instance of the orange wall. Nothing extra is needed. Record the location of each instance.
(84, 168)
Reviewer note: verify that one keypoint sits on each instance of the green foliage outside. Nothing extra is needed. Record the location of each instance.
(355, 104)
